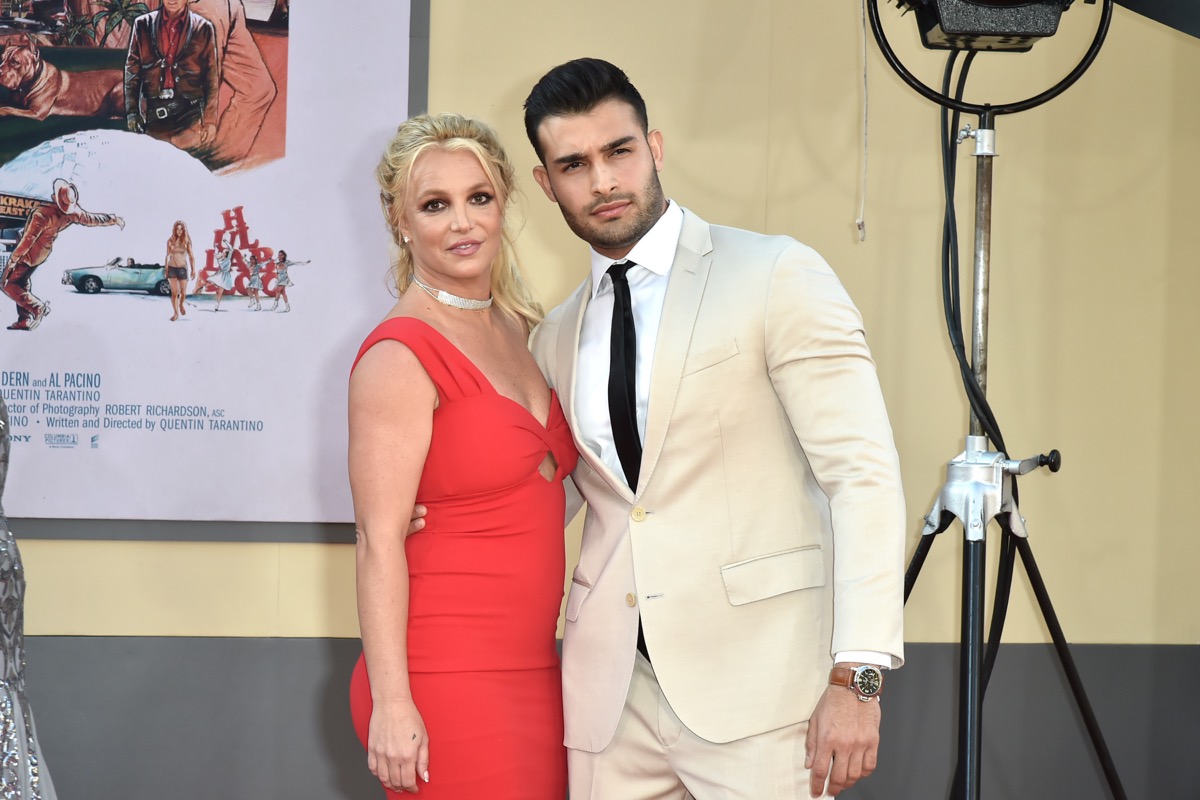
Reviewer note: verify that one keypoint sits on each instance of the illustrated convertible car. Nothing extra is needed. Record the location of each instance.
(119, 274)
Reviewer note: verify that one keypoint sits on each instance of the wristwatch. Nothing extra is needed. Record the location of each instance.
(865, 681)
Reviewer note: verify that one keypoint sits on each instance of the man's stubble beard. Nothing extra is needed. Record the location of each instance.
(651, 204)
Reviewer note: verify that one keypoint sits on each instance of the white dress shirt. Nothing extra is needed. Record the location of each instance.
(653, 256)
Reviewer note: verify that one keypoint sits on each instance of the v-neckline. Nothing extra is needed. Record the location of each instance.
(545, 426)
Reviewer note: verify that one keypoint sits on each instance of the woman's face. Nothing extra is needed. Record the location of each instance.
(178, 229)
(453, 218)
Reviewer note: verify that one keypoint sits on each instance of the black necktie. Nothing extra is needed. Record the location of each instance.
(622, 386)
(622, 391)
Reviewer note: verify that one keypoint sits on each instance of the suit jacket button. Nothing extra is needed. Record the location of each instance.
(630, 600)
(638, 514)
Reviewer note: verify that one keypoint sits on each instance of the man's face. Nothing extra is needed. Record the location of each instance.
(173, 7)
(603, 173)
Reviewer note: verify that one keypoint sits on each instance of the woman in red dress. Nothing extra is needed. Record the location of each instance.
(458, 692)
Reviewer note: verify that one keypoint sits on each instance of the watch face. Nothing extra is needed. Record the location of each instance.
(868, 681)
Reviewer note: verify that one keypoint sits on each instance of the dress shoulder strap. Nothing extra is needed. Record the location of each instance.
(451, 372)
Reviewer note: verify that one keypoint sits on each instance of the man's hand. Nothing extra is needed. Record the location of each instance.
(418, 519)
(843, 740)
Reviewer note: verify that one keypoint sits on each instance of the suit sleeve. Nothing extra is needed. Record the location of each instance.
(543, 343)
(824, 376)
(92, 220)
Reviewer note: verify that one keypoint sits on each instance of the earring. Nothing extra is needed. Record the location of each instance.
(407, 240)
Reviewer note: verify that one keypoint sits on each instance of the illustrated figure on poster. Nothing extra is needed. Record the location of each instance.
(282, 281)
(222, 279)
(171, 77)
(249, 89)
(254, 285)
(23, 774)
(178, 261)
(38, 88)
(45, 223)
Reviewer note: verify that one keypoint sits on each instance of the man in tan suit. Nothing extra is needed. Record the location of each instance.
(745, 519)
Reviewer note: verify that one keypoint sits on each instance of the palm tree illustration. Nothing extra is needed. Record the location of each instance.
(76, 30)
(115, 13)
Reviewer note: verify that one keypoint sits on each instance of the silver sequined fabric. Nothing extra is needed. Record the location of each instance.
(23, 776)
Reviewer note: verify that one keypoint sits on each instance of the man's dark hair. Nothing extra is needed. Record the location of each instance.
(577, 87)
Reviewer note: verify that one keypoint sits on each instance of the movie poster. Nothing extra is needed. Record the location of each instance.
(191, 249)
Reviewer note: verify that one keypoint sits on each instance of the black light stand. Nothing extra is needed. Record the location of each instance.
(980, 483)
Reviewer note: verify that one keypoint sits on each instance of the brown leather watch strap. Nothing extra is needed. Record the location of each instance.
(844, 676)
(841, 676)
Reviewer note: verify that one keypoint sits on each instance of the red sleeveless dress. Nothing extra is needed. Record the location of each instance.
(485, 587)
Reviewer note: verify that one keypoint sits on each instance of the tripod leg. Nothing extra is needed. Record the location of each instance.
(1068, 665)
(936, 521)
(914, 566)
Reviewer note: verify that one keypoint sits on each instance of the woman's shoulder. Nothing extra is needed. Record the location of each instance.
(386, 371)
(393, 347)
(403, 328)
(404, 337)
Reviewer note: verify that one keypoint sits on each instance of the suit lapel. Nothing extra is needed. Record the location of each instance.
(568, 356)
(685, 289)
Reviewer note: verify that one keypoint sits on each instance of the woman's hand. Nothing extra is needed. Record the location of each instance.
(398, 746)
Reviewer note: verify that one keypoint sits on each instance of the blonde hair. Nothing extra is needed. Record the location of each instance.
(180, 240)
(454, 132)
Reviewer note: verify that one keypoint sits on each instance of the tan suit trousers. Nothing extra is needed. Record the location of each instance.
(653, 756)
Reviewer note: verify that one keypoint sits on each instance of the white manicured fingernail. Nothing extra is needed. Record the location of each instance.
(425, 775)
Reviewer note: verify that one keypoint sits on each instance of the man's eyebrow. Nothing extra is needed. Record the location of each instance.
(613, 145)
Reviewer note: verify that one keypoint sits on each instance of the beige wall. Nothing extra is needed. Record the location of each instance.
(1093, 336)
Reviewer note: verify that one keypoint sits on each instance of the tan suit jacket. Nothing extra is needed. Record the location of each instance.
(767, 530)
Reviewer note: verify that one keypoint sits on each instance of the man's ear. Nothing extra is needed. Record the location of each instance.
(543, 180)
(655, 140)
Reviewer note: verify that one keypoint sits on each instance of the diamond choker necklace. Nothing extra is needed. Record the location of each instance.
(453, 300)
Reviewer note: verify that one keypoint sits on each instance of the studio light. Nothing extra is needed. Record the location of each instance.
(1010, 25)
(976, 25)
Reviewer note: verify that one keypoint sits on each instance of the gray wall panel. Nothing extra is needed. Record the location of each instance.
(138, 530)
(418, 58)
(197, 719)
(1035, 743)
(267, 719)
